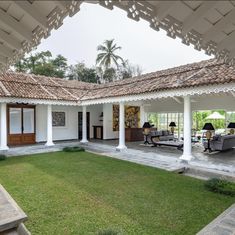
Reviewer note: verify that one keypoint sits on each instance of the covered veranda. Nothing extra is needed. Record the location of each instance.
(183, 89)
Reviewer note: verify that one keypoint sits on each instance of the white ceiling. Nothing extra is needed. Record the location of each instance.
(208, 25)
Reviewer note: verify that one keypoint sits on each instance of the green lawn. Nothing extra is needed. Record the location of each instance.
(82, 193)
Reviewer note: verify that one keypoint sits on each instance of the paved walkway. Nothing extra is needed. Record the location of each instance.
(163, 158)
(224, 224)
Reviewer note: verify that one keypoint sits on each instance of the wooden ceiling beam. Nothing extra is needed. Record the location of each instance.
(211, 33)
(33, 12)
(5, 51)
(15, 25)
(163, 9)
(3, 60)
(193, 18)
(227, 43)
(61, 4)
(9, 40)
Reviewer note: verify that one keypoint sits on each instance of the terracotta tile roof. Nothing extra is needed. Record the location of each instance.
(40, 87)
(190, 75)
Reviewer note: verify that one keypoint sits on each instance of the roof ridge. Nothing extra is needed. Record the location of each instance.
(64, 89)
(30, 75)
(145, 78)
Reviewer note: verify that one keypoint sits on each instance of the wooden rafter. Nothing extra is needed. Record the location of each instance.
(33, 12)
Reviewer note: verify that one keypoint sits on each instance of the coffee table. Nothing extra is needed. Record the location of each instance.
(171, 143)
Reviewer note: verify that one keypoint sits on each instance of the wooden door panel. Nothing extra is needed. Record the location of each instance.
(21, 138)
(14, 139)
(28, 138)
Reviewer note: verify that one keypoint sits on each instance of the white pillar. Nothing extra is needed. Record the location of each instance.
(49, 126)
(121, 145)
(84, 126)
(187, 152)
(3, 120)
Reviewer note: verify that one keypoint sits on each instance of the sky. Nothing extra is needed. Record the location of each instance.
(77, 39)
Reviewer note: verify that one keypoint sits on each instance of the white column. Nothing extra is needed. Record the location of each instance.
(187, 152)
(49, 126)
(3, 120)
(143, 115)
(84, 126)
(121, 145)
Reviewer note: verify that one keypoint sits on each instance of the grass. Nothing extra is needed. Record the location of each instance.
(83, 193)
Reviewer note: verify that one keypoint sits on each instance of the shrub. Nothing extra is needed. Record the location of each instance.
(108, 232)
(73, 149)
(221, 186)
(2, 157)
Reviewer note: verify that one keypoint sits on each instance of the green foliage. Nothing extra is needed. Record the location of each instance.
(109, 74)
(81, 73)
(2, 157)
(199, 119)
(73, 149)
(108, 232)
(107, 55)
(221, 186)
(42, 63)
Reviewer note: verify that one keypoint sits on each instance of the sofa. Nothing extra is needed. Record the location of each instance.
(221, 143)
(163, 135)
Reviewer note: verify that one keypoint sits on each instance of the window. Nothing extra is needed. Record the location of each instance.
(58, 119)
(162, 120)
(28, 120)
(15, 120)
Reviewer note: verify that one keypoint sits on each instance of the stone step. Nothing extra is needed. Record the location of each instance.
(205, 173)
(20, 230)
(224, 224)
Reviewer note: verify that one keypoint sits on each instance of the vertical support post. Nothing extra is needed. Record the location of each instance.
(84, 126)
(187, 152)
(49, 126)
(3, 125)
(121, 145)
(178, 120)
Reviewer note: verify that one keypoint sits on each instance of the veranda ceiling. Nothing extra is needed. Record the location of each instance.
(208, 25)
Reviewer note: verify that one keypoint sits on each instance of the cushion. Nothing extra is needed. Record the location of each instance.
(217, 137)
(165, 132)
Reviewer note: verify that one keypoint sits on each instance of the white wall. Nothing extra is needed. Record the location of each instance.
(70, 131)
(41, 123)
(108, 120)
(108, 132)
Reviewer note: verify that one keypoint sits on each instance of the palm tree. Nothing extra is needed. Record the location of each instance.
(107, 54)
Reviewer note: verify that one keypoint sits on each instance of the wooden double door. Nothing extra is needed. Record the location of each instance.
(20, 124)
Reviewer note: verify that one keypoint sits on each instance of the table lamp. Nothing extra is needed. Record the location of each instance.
(172, 125)
(208, 127)
(146, 131)
(231, 126)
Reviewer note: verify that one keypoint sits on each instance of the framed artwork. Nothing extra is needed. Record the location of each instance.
(132, 117)
(58, 119)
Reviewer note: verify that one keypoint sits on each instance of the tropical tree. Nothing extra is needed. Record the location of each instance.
(107, 55)
(81, 73)
(42, 63)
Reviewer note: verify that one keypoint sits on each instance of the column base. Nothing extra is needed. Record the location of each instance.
(186, 157)
(84, 141)
(121, 148)
(48, 144)
(4, 148)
